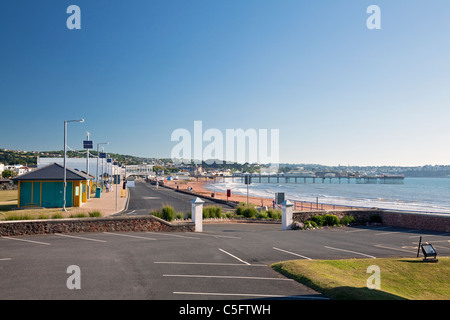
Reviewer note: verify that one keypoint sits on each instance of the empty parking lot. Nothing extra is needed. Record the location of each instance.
(227, 261)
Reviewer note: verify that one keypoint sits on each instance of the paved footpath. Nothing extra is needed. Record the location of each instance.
(106, 204)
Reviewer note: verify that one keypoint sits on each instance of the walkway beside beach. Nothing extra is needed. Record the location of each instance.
(106, 204)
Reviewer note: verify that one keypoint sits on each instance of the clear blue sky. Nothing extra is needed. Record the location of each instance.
(338, 92)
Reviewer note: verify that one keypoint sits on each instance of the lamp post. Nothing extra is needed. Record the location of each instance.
(98, 156)
(65, 174)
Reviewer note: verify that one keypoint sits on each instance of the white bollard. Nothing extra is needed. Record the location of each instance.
(197, 213)
(287, 209)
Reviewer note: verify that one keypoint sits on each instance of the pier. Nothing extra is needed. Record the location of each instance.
(282, 178)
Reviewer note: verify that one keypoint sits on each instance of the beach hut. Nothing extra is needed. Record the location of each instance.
(44, 187)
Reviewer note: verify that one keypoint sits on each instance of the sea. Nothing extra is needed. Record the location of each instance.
(430, 195)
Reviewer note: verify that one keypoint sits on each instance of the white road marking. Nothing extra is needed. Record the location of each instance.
(386, 233)
(390, 248)
(217, 236)
(362, 254)
(295, 254)
(31, 241)
(359, 230)
(430, 235)
(171, 235)
(211, 263)
(250, 295)
(224, 277)
(5, 259)
(234, 256)
(128, 236)
(76, 237)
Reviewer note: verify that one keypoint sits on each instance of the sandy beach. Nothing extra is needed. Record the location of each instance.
(198, 187)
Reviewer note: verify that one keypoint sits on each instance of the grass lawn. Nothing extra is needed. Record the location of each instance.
(8, 202)
(400, 278)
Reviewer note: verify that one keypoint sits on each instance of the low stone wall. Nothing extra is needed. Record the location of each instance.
(139, 223)
(412, 220)
(422, 221)
(361, 215)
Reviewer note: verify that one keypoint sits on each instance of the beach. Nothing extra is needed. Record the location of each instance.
(198, 187)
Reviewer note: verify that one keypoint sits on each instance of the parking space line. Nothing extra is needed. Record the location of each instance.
(385, 233)
(430, 235)
(295, 254)
(211, 263)
(31, 241)
(76, 237)
(390, 248)
(234, 256)
(250, 295)
(128, 236)
(362, 254)
(217, 236)
(172, 235)
(224, 277)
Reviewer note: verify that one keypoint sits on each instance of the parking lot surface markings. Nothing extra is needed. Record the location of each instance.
(295, 254)
(128, 236)
(211, 263)
(390, 248)
(234, 256)
(172, 235)
(76, 237)
(218, 236)
(224, 277)
(362, 254)
(251, 295)
(31, 241)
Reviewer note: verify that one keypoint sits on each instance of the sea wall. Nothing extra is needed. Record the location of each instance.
(411, 220)
(422, 221)
(139, 223)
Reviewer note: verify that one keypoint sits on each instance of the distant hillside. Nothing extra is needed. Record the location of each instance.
(10, 157)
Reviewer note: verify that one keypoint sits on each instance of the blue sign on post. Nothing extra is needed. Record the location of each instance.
(102, 155)
(109, 160)
(88, 144)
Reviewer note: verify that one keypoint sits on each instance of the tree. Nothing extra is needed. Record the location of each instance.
(6, 174)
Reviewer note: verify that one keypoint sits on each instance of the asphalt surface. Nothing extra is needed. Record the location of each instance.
(226, 261)
(145, 197)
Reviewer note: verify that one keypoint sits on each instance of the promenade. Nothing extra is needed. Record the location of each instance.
(106, 204)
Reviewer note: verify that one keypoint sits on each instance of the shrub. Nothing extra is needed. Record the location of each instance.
(347, 219)
(156, 213)
(274, 214)
(18, 217)
(249, 212)
(330, 220)
(263, 215)
(212, 212)
(168, 213)
(180, 216)
(57, 216)
(309, 224)
(95, 214)
(78, 215)
(319, 220)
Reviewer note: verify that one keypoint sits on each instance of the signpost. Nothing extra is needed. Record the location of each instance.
(88, 144)
(247, 181)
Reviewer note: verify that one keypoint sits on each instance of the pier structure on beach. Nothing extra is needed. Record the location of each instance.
(282, 178)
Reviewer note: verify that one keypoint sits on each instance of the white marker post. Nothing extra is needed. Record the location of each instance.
(287, 209)
(197, 213)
